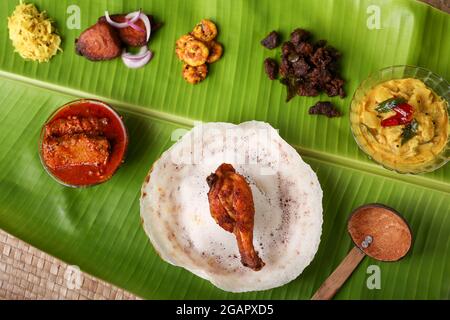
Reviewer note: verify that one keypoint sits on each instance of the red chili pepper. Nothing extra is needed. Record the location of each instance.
(403, 115)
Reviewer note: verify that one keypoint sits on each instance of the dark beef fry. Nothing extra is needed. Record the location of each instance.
(306, 89)
(325, 108)
(304, 49)
(310, 68)
(301, 68)
(271, 41)
(299, 35)
(271, 68)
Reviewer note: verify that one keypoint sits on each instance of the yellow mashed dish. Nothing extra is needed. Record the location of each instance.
(402, 124)
(32, 33)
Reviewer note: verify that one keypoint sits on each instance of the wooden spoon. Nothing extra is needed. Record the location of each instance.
(378, 232)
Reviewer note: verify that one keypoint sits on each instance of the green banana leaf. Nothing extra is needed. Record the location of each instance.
(99, 228)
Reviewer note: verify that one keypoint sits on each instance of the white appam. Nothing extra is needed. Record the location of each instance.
(288, 206)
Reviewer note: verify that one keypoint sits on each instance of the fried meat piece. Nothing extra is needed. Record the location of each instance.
(75, 150)
(99, 42)
(271, 41)
(72, 125)
(308, 68)
(325, 108)
(231, 205)
(130, 36)
(271, 68)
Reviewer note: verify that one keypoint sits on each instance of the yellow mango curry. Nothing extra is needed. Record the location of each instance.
(402, 124)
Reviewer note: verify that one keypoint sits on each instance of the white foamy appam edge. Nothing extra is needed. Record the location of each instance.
(165, 235)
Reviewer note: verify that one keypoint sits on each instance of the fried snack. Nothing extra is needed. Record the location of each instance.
(215, 51)
(325, 108)
(195, 53)
(231, 205)
(180, 45)
(271, 68)
(99, 42)
(131, 36)
(196, 74)
(206, 30)
(197, 49)
(309, 68)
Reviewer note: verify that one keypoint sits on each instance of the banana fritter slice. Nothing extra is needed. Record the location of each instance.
(195, 53)
(215, 51)
(206, 30)
(181, 45)
(196, 74)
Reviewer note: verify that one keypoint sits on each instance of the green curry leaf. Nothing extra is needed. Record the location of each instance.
(410, 131)
(389, 104)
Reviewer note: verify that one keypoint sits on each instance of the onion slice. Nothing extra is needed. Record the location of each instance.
(147, 24)
(135, 27)
(133, 16)
(138, 60)
(131, 19)
(140, 54)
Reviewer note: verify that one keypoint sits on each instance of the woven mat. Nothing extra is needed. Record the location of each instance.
(27, 273)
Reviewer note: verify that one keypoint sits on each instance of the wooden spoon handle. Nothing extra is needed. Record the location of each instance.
(335, 281)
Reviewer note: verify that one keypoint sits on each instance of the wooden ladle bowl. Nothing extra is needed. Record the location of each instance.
(377, 231)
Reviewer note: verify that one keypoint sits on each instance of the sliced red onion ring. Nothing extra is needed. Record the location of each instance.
(147, 24)
(138, 60)
(135, 27)
(131, 18)
(140, 54)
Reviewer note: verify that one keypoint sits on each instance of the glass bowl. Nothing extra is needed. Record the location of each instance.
(116, 133)
(433, 81)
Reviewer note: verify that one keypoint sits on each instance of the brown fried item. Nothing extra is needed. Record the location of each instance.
(206, 30)
(231, 205)
(75, 150)
(131, 36)
(99, 42)
(308, 68)
(180, 45)
(271, 41)
(75, 124)
(195, 53)
(196, 74)
(325, 108)
(215, 51)
(271, 68)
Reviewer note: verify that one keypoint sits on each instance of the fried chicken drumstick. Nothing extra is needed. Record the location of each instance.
(231, 206)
